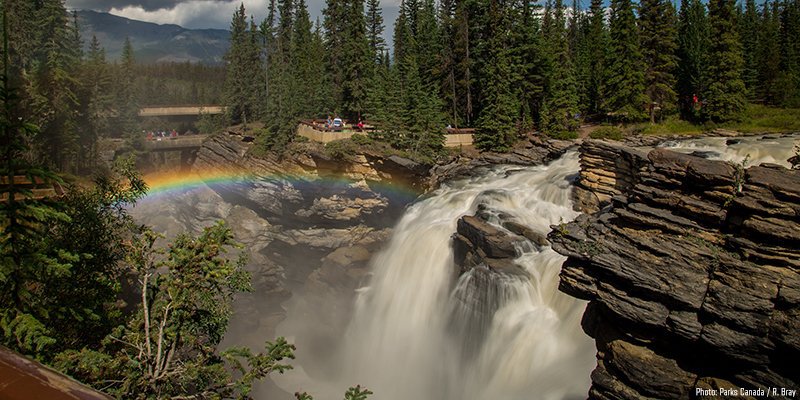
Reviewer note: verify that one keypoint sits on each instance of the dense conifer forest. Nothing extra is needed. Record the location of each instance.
(509, 67)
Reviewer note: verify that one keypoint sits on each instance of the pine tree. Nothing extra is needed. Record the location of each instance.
(624, 83)
(526, 51)
(335, 24)
(357, 60)
(427, 42)
(496, 128)
(375, 29)
(96, 101)
(769, 54)
(657, 23)
(597, 42)
(790, 54)
(126, 97)
(55, 102)
(244, 73)
(725, 97)
(749, 31)
(693, 47)
(560, 99)
(447, 60)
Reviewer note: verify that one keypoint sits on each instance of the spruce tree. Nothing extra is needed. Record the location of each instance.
(335, 23)
(597, 44)
(127, 98)
(526, 49)
(447, 61)
(657, 23)
(464, 64)
(725, 97)
(790, 54)
(624, 84)
(749, 31)
(769, 54)
(357, 60)
(558, 114)
(55, 86)
(693, 47)
(244, 72)
(375, 29)
(496, 128)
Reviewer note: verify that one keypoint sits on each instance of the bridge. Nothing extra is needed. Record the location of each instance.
(189, 142)
(178, 111)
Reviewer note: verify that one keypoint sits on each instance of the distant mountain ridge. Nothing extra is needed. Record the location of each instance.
(151, 42)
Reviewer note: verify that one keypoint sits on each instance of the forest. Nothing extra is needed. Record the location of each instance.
(510, 67)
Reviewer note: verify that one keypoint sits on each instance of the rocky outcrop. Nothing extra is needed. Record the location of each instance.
(692, 270)
(607, 170)
(536, 150)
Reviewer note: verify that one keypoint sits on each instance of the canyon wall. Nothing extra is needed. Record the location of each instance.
(692, 271)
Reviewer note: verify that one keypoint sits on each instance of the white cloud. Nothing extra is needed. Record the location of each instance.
(196, 13)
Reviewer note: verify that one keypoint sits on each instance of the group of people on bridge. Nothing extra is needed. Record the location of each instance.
(161, 134)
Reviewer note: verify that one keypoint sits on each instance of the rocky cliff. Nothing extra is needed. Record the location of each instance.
(692, 270)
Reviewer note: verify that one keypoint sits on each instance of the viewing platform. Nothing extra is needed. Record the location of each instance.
(316, 130)
(188, 142)
(177, 111)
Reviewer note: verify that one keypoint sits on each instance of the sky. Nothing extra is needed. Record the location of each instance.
(197, 14)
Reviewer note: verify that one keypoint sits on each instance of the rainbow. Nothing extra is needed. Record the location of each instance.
(175, 182)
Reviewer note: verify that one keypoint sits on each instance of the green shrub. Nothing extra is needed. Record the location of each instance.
(563, 135)
(607, 132)
(361, 139)
(343, 149)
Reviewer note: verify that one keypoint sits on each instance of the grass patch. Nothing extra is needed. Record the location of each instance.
(756, 119)
(760, 118)
(563, 135)
(672, 125)
(607, 132)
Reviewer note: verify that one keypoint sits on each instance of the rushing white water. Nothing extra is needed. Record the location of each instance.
(775, 149)
(420, 332)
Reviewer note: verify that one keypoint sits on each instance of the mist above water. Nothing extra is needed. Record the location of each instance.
(419, 331)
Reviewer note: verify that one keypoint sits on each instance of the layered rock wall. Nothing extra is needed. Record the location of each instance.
(692, 271)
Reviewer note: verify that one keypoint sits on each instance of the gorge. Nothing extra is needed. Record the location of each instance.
(455, 294)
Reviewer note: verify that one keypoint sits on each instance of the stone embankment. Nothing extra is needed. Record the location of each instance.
(692, 271)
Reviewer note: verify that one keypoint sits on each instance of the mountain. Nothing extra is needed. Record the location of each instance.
(153, 42)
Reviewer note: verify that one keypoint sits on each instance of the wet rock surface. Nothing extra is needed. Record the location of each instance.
(535, 150)
(692, 270)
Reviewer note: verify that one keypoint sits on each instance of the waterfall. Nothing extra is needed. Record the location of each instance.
(413, 335)
(755, 150)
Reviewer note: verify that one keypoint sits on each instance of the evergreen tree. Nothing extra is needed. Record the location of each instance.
(528, 64)
(749, 31)
(357, 60)
(96, 102)
(54, 88)
(790, 54)
(560, 98)
(496, 125)
(428, 44)
(769, 54)
(127, 98)
(725, 96)
(657, 24)
(597, 42)
(463, 63)
(244, 73)
(375, 29)
(693, 47)
(335, 23)
(624, 84)
(447, 61)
